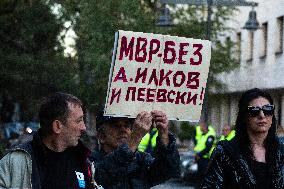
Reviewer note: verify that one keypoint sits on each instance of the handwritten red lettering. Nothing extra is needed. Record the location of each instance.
(161, 95)
(198, 54)
(182, 52)
(126, 49)
(140, 74)
(193, 80)
(153, 50)
(164, 76)
(171, 100)
(130, 92)
(180, 98)
(192, 99)
(141, 94)
(145, 49)
(115, 94)
(153, 77)
(141, 47)
(120, 75)
(169, 47)
(150, 95)
(181, 80)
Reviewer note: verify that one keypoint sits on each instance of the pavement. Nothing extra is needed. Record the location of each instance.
(173, 184)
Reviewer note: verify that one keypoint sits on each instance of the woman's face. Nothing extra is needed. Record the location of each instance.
(259, 122)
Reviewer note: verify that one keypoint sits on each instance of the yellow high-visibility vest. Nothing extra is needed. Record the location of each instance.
(198, 133)
(146, 141)
(201, 142)
(230, 136)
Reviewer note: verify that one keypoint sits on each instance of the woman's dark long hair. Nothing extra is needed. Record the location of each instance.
(270, 142)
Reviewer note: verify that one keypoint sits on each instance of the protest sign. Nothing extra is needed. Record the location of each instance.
(158, 72)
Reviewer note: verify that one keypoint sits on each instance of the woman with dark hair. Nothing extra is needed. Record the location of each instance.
(254, 158)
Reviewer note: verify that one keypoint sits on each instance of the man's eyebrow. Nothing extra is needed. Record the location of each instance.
(81, 117)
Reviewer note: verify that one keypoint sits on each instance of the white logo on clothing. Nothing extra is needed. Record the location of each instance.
(80, 176)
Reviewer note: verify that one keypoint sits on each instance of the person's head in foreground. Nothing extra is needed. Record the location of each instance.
(112, 131)
(115, 131)
(256, 120)
(127, 167)
(254, 158)
(61, 121)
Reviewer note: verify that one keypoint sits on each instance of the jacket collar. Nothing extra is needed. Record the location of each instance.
(40, 147)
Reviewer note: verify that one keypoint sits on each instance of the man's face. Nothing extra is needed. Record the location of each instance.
(74, 127)
(203, 127)
(226, 130)
(114, 134)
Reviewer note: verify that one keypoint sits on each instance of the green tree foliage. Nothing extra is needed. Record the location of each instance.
(31, 57)
(96, 25)
(99, 20)
(31, 67)
(187, 131)
(192, 23)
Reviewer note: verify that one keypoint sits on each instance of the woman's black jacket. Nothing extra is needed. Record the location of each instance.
(229, 169)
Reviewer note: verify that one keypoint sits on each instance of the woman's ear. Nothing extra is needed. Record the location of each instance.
(57, 126)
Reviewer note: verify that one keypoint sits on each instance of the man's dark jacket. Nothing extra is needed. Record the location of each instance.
(229, 169)
(123, 169)
(36, 151)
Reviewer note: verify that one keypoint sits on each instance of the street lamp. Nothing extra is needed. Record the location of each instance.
(251, 25)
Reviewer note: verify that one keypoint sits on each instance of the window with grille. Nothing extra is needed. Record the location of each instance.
(238, 44)
(263, 45)
(250, 45)
(279, 35)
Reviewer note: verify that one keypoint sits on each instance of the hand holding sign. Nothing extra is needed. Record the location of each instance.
(162, 124)
(141, 126)
(158, 72)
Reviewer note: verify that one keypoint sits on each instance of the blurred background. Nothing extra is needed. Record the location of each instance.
(52, 45)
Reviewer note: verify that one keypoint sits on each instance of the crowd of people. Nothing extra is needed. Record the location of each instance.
(56, 158)
(140, 153)
(13, 129)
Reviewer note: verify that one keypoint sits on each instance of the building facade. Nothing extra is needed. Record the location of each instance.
(261, 60)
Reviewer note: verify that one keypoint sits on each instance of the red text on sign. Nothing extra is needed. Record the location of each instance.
(142, 49)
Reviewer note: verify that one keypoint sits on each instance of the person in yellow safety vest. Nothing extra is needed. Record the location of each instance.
(198, 132)
(148, 142)
(227, 133)
(204, 144)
